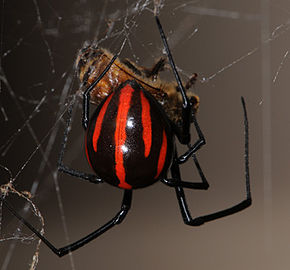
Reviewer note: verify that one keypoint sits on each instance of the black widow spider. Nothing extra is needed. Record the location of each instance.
(137, 128)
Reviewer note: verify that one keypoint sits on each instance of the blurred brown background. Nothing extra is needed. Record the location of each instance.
(238, 48)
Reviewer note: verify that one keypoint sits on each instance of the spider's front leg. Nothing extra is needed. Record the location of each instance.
(184, 133)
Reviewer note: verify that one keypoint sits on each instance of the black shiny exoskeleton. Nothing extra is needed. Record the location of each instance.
(129, 139)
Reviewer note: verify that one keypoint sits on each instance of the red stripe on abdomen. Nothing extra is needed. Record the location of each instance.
(120, 134)
(99, 122)
(162, 155)
(146, 124)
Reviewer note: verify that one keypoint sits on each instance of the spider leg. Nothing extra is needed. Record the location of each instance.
(85, 120)
(176, 180)
(86, 94)
(63, 168)
(219, 214)
(117, 219)
(197, 221)
(196, 146)
(183, 134)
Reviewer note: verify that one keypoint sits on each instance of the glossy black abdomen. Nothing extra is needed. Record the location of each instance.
(129, 141)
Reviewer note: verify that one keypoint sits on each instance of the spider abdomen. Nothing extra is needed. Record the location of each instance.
(129, 141)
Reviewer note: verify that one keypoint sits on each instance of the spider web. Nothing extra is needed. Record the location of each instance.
(237, 49)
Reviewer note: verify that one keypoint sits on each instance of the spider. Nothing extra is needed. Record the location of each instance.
(130, 138)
